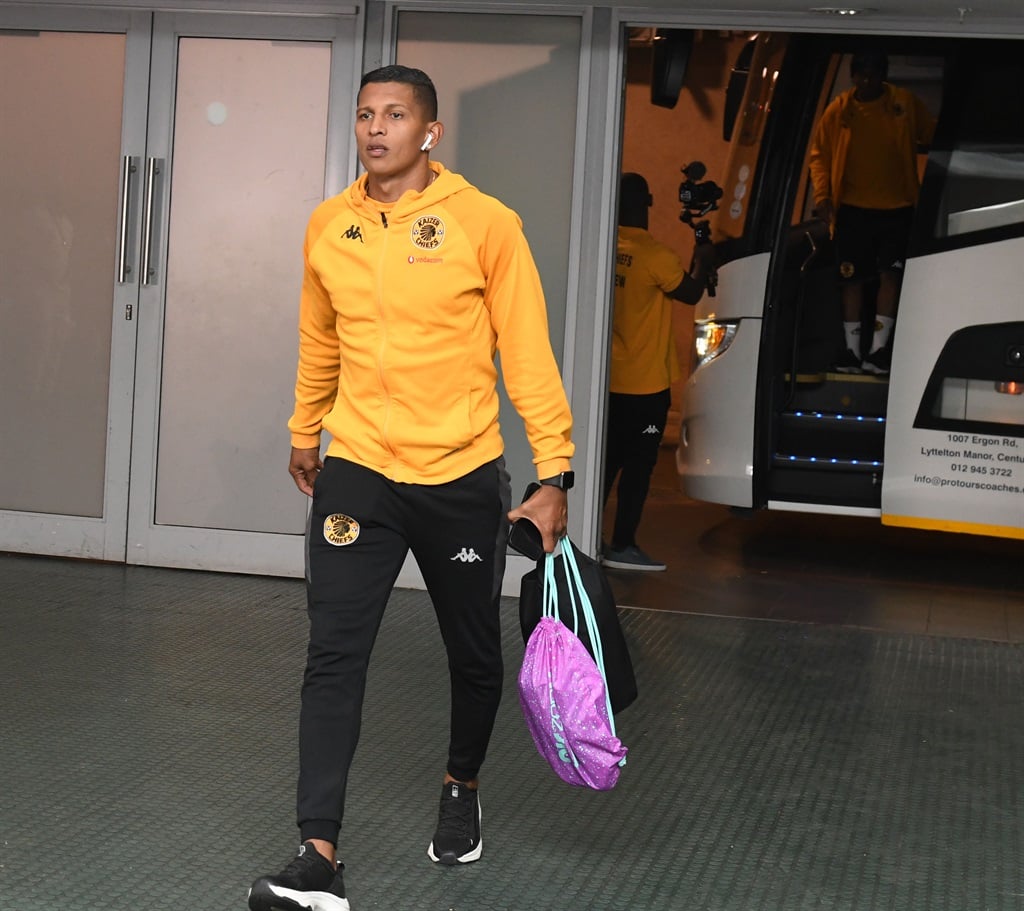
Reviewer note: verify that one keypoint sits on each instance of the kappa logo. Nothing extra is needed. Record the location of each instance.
(354, 232)
(651, 429)
(468, 555)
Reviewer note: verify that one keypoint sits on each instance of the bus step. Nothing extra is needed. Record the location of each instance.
(822, 433)
(819, 463)
(826, 484)
(841, 393)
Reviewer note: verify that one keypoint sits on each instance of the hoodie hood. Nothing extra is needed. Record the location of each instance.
(890, 103)
(410, 203)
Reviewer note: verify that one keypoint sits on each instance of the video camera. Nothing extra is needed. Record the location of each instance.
(699, 197)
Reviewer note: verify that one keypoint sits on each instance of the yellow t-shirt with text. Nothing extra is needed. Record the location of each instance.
(643, 345)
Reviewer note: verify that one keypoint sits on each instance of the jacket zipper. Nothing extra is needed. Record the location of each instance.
(383, 343)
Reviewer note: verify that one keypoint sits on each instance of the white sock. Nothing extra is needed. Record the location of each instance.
(883, 326)
(852, 332)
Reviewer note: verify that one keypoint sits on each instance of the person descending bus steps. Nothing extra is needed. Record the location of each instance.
(864, 171)
(648, 277)
(413, 279)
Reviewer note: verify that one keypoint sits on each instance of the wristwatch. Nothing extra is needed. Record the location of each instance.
(563, 481)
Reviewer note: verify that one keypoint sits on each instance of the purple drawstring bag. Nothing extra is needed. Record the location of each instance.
(563, 690)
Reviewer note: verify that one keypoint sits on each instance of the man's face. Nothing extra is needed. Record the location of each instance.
(390, 128)
(868, 83)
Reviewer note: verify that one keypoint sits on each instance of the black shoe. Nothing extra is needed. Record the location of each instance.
(308, 883)
(457, 839)
(631, 558)
(877, 362)
(848, 362)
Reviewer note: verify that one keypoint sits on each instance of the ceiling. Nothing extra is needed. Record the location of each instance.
(996, 18)
(970, 18)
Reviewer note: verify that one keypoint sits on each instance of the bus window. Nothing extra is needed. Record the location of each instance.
(978, 177)
(977, 383)
(756, 72)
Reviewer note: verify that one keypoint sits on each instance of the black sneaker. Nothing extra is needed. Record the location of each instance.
(631, 558)
(457, 839)
(308, 883)
(848, 362)
(877, 362)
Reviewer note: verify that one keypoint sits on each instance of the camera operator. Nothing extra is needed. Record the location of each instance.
(648, 277)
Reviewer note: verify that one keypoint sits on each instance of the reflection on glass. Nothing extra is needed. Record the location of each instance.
(990, 189)
(247, 169)
(61, 97)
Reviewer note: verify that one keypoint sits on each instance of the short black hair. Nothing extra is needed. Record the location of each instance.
(422, 86)
(870, 60)
(634, 199)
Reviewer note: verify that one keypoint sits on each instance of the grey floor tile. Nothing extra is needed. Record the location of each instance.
(148, 761)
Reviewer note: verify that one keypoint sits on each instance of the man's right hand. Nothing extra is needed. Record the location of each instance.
(824, 210)
(705, 259)
(304, 466)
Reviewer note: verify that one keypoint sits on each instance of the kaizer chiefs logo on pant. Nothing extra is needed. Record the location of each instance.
(340, 529)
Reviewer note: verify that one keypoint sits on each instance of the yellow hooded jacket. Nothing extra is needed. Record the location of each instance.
(914, 126)
(403, 308)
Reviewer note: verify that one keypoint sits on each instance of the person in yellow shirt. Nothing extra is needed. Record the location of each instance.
(864, 171)
(649, 276)
(413, 281)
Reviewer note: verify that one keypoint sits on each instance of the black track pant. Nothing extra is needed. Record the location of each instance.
(636, 424)
(456, 532)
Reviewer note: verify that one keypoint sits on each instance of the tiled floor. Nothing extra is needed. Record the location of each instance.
(862, 752)
(147, 751)
(811, 568)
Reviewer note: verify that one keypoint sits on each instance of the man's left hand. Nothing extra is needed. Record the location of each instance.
(548, 509)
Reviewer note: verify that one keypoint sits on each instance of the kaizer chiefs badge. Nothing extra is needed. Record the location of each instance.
(428, 232)
(340, 529)
(846, 270)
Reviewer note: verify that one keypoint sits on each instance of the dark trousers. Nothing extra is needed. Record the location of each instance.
(456, 532)
(636, 424)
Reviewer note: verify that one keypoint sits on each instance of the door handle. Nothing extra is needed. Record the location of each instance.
(154, 167)
(129, 166)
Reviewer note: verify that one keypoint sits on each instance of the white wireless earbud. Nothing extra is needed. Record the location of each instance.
(427, 143)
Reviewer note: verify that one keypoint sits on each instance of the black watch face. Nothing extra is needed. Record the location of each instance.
(563, 481)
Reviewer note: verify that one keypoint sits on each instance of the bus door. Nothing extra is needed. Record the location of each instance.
(823, 421)
(717, 432)
(767, 419)
(954, 448)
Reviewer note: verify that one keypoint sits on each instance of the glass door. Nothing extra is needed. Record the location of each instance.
(237, 152)
(73, 98)
(150, 232)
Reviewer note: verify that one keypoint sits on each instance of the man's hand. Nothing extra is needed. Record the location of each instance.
(825, 211)
(548, 509)
(704, 261)
(304, 466)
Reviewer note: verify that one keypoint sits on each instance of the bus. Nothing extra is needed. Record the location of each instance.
(766, 420)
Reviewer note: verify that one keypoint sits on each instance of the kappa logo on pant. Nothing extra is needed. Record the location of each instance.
(651, 429)
(468, 555)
